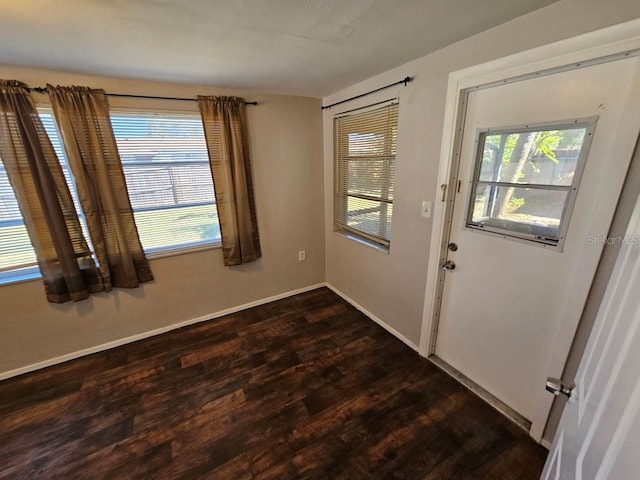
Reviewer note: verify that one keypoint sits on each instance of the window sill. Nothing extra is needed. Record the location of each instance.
(363, 241)
(10, 279)
(29, 276)
(170, 252)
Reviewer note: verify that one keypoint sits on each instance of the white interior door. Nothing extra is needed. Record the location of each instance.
(599, 434)
(526, 256)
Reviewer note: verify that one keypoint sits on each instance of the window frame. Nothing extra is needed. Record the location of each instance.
(27, 272)
(161, 252)
(23, 273)
(588, 123)
(340, 198)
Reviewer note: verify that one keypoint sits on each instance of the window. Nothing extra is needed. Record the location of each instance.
(166, 166)
(18, 259)
(526, 180)
(365, 153)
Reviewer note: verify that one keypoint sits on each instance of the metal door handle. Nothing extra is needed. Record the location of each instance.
(449, 265)
(555, 386)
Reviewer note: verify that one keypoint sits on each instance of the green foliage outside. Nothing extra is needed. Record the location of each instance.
(521, 157)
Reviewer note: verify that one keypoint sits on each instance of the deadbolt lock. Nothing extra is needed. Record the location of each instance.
(449, 265)
(453, 247)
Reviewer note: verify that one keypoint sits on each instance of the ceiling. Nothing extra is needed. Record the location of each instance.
(303, 47)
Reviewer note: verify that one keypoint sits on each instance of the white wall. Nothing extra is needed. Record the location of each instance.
(392, 286)
(286, 143)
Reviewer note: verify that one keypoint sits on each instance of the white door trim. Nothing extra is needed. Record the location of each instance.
(570, 53)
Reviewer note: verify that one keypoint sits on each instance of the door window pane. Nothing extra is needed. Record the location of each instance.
(526, 180)
(532, 211)
(542, 157)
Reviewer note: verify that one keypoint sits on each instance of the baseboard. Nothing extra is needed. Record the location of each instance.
(546, 444)
(152, 333)
(380, 322)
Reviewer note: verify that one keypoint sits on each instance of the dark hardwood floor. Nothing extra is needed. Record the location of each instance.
(306, 387)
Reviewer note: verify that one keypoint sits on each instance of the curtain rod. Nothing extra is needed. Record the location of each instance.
(404, 82)
(124, 95)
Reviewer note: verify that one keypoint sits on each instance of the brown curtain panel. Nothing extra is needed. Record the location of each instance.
(82, 115)
(225, 129)
(65, 261)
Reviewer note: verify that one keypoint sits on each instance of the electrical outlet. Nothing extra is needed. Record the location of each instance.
(426, 209)
(302, 256)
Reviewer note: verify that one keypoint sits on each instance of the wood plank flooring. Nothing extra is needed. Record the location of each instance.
(306, 387)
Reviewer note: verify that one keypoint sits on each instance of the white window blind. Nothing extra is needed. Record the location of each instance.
(17, 257)
(17, 252)
(166, 166)
(365, 153)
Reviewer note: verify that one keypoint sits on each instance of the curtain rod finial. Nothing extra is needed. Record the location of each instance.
(404, 81)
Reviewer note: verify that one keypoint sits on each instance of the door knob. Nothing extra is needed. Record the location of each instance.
(555, 386)
(449, 265)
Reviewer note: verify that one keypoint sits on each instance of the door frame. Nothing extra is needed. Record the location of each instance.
(600, 46)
